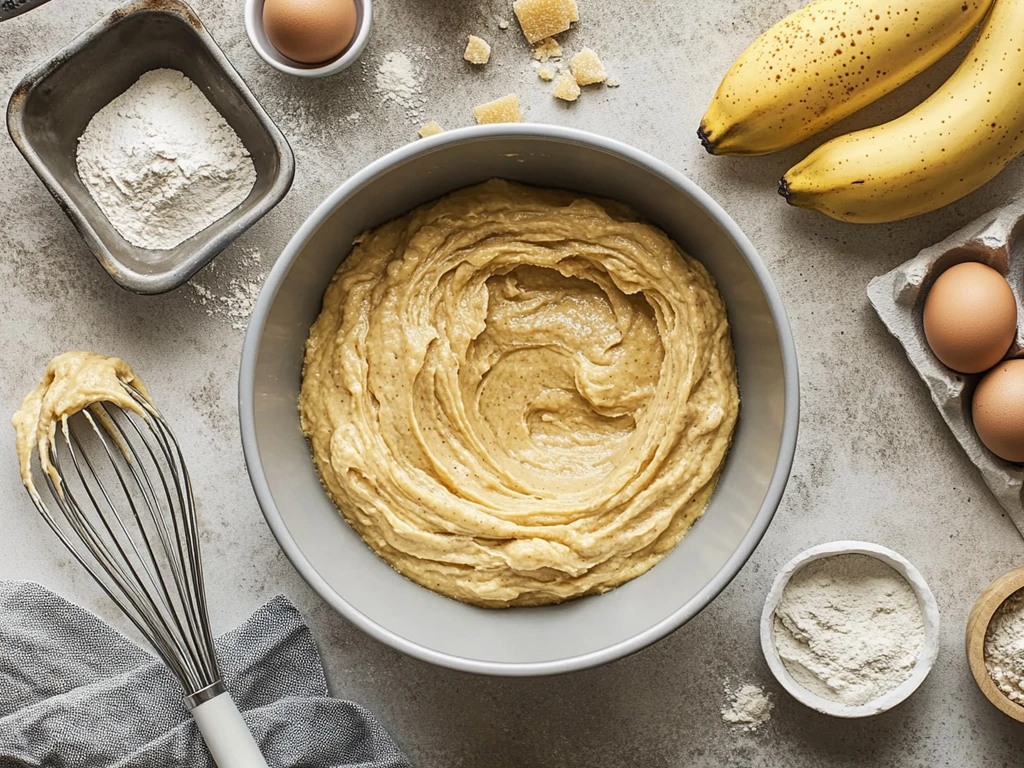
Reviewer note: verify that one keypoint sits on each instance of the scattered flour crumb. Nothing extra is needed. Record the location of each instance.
(398, 82)
(748, 707)
(355, 117)
(611, 83)
(502, 24)
(548, 48)
(231, 297)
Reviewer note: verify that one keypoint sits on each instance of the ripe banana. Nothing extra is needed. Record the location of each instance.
(823, 63)
(955, 141)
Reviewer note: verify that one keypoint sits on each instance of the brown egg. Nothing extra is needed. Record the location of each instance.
(310, 31)
(998, 410)
(970, 317)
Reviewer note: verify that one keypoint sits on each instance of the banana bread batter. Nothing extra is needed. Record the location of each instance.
(72, 382)
(519, 396)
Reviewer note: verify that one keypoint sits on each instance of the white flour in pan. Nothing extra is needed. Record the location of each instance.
(162, 163)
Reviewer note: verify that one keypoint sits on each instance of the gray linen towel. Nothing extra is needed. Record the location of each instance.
(75, 693)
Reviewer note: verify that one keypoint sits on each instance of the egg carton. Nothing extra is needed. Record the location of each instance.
(995, 239)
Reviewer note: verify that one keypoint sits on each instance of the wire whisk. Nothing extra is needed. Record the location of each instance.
(122, 503)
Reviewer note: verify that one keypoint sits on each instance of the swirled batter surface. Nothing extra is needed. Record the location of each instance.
(519, 396)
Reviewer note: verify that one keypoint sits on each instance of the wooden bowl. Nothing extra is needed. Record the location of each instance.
(977, 625)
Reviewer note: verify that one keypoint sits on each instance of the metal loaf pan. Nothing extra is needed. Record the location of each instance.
(53, 104)
(898, 298)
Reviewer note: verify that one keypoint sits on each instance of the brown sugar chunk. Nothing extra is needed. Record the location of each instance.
(430, 129)
(566, 88)
(544, 18)
(503, 110)
(478, 50)
(587, 68)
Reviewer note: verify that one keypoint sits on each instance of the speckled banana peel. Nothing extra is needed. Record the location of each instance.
(823, 63)
(951, 144)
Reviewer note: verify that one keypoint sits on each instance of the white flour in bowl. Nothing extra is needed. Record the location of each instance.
(849, 628)
(1004, 648)
(162, 163)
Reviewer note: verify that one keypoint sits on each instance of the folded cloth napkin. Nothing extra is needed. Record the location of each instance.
(75, 693)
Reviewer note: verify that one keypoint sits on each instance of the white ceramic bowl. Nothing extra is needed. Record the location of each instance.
(925, 598)
(582, 633)
(266, 50)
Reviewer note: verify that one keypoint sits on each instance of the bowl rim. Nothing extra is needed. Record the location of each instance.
(780, 474)
(205, 251)
(347, 58)
(925, 660)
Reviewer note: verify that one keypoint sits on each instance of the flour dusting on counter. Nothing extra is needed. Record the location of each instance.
(749, 707)
(399, 82)
(231, 297)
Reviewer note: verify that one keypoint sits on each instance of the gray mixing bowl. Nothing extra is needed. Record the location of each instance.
(520, 641)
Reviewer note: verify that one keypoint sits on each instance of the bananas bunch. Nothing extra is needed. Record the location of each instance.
(833, 57)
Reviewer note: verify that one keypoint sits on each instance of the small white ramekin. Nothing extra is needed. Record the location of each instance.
(929, 609)
(262, 45)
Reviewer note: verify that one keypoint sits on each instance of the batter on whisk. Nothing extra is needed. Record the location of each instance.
(72, 382)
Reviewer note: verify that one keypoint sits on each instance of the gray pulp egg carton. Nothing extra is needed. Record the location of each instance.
(995, 239)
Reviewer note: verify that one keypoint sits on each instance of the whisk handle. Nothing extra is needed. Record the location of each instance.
(226, 734)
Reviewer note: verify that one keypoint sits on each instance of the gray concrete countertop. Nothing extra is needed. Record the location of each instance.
(874, 461)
